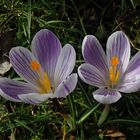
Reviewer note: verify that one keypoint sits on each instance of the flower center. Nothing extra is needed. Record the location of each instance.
(114, 73)
(44, 83)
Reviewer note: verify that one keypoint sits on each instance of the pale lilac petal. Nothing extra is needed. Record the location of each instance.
(46, 47)
(131, 79)
(10, 89)
(67, 86)
(130, 86)
(94, 54)
(65, 64)
(34, 98)
(91, 75)
(134, 65)
(7, 97)
(20, 59)
(106, 96)
(118, 45)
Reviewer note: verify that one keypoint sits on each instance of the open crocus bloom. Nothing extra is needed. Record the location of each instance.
(112, 74)
(47, 70)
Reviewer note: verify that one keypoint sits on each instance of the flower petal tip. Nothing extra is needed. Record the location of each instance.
(7, 97)
(106, 96)
(67, 86)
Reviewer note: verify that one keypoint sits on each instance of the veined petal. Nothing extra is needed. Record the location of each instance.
(94, 54)
(47, 47)
(65, 63)
(131, 78)
(10, 89)
(34, 98)
(21, 59)
(91, 75)
(67, 86)
(134, 65)
(130, 86)
(118, 46)
(106, 96)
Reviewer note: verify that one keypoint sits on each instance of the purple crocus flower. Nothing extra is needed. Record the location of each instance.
(46, 70)
(112, 74)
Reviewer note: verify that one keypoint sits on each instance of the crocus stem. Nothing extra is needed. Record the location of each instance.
(103, 115)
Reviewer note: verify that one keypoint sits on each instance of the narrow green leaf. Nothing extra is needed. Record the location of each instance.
(25, 126)
(88, 113)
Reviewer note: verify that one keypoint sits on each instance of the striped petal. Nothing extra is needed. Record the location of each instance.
(34, 98)
(10, 89)
(65, 64)
(131, 78)
(46, 47)
(21, 59)
(118, 46)
(94, 54)
(106, 96)
(91, 75)
(67, 86)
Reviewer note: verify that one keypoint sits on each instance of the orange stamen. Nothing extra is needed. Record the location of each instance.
(35, 65)
(113, 72)
(43, 81)
(45, 85)
(114, 61)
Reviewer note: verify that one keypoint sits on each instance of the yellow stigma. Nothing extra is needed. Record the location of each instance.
(44, 84)
(113, 72)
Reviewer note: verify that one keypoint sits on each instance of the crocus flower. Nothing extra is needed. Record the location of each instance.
(112, 74)
(46, 70)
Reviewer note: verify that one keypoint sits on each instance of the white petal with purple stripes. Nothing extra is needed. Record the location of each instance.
(66, 86)
(47, 47)
(106, 96)
(10, 89)
(34, 98)
(94, 54)
(118, 46)
(21, 59)
(65, 63)
(131, 78)
(91, 75)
